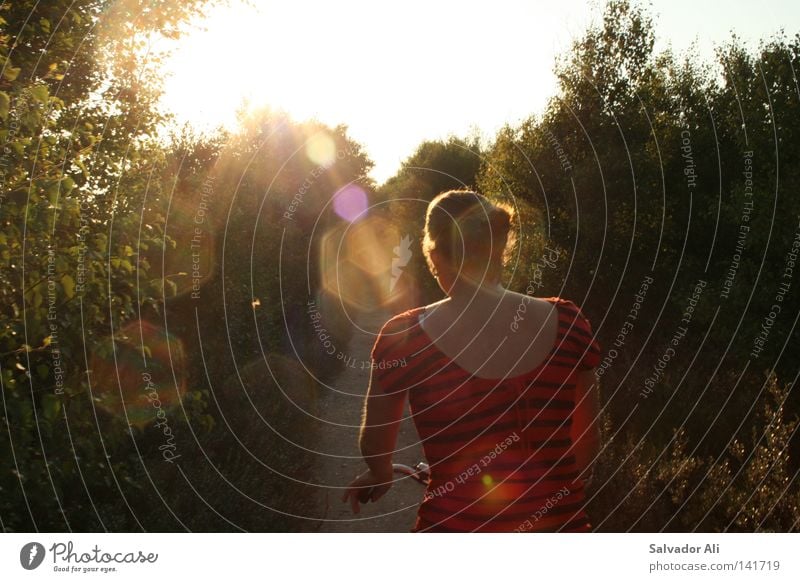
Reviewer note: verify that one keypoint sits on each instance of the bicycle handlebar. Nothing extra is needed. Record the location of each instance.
(421, 472)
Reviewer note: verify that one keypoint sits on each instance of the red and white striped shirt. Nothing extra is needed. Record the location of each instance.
(499, 449)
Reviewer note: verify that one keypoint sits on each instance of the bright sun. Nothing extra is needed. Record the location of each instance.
(244, 55)
(396, 75)
(399, 73)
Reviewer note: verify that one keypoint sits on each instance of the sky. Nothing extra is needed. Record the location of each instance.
(402, 72)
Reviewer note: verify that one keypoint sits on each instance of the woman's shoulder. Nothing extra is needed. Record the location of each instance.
(570, 313)
(568, 303)
(410, 317)
(396, 334)
(578, 328)
(565, 304)
(402, 320)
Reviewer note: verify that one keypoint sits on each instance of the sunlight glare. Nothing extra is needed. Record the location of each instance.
(321, 149)
(396, 74)
(350, 202)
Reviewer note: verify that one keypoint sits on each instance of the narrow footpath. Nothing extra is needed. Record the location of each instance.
(339, 460)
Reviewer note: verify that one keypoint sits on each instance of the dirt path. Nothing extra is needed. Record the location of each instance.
(340, 460)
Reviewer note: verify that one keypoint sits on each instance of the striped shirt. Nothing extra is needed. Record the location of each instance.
(499, 449)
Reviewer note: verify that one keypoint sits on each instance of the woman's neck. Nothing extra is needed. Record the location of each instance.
(464, 293)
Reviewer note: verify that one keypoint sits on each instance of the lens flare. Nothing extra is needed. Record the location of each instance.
(359, 267)
(350, 202)
(321, 150)
(141, 373)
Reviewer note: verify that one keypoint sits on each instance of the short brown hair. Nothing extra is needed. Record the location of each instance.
(467, 229)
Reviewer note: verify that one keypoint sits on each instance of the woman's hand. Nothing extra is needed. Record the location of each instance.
(366, 487)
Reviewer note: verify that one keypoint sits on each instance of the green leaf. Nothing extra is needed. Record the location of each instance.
(51, 191)
(11, 73)
(68, 283)
(5, 102)
(40, 93)
(51, 406)
(67, 184)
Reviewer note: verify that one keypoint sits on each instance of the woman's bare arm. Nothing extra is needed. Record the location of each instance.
(379, 428)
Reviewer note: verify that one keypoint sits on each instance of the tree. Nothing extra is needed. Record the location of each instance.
(654, 177)
(435, 167)
(77, 104)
